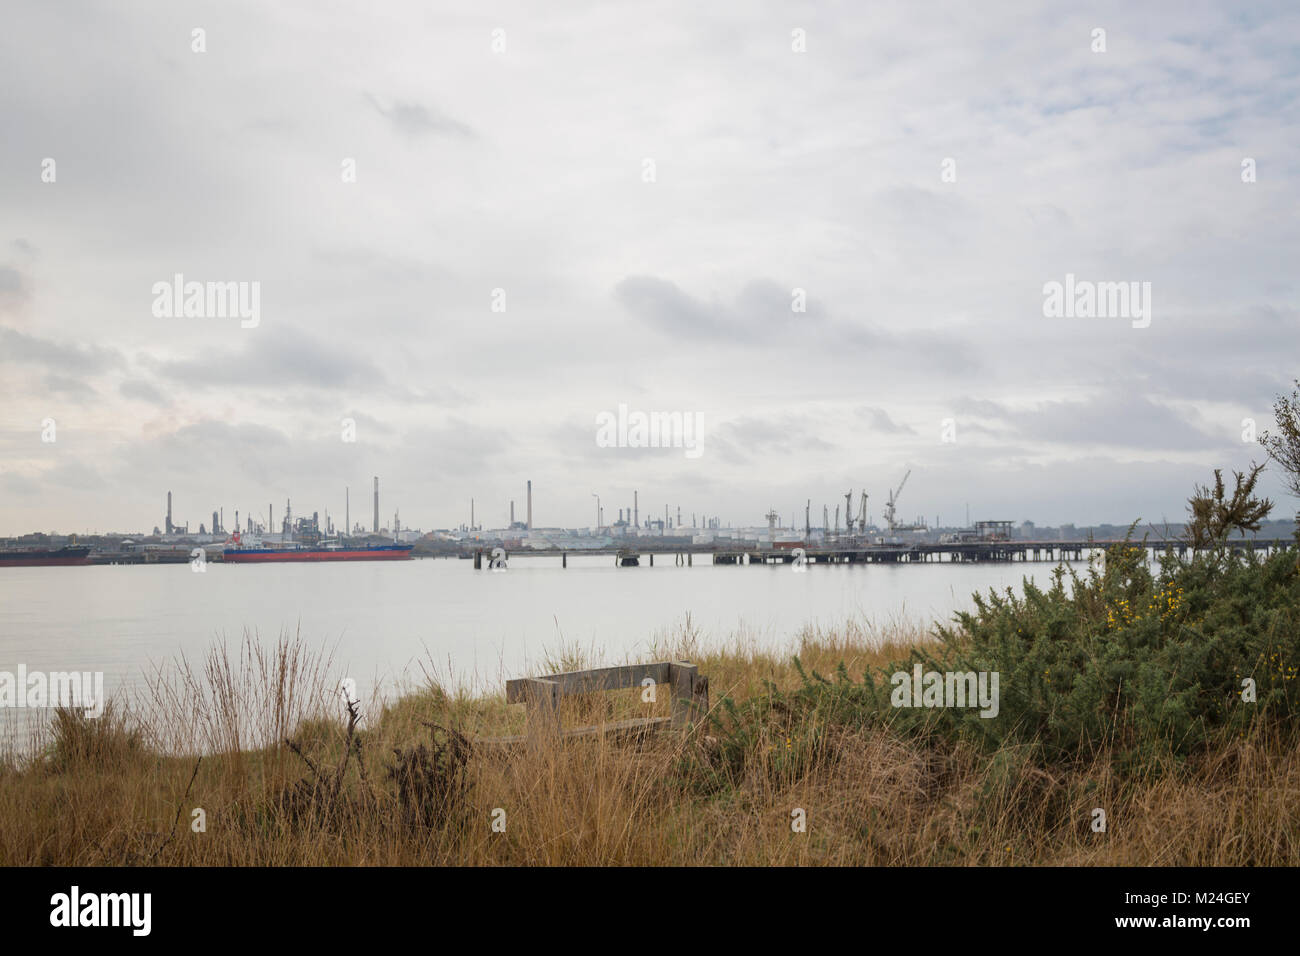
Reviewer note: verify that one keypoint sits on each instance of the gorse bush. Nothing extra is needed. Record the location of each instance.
(1145, 664)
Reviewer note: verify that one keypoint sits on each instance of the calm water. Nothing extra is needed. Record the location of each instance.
(385, 623)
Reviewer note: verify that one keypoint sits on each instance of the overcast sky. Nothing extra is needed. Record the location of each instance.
(505, 147)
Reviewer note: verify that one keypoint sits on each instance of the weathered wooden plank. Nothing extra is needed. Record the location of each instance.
(618, 727)
(682, 676)
(635, 725)
(597, 679)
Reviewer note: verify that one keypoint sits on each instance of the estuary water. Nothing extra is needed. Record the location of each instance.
(387, 624)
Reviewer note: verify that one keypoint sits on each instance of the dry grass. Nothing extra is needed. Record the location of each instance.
(402, 788)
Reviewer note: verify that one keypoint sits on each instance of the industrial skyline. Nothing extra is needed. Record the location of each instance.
(856, 518)
(843, 262)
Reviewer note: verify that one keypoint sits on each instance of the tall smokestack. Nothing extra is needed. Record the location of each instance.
(376, 504)
(169, 512)
(636, 511)
(530, 505)
(512, 514)
(347, 510)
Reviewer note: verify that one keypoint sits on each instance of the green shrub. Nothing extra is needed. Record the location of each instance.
(1147, 664)
(1144, 663)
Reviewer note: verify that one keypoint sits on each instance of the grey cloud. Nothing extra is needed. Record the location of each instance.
(415, 119)
(19, 485)
(761, 312)
(20, 348)
(878, 420)
(142, 391)
(14, 288)
(75, 388)
(762, 316)
(1115, 419)
(273, 359)
(662, 304)
(749, 438)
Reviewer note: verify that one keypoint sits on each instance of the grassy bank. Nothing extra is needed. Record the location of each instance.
(1122, 692)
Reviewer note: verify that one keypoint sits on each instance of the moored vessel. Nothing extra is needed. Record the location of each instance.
(251, 551)
(44, 557)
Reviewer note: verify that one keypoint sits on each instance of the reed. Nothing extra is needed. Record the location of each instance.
(292, 774)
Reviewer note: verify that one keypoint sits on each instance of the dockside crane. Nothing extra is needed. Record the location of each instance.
(893, 500)
(890, 505)
(862, 514)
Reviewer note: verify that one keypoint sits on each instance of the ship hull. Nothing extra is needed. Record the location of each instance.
(58, 557)
(276, 556)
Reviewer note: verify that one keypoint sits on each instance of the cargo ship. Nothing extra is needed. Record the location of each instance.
(45, 557)
(250, 551)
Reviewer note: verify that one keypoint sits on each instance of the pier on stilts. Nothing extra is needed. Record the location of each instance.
(1053, 552)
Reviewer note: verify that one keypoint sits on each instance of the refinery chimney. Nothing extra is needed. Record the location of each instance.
(636, 511)
(376, 504)
(530, 504)
(169, 513)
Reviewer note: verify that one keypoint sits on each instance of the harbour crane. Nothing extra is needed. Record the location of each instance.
(862, 514)
(890, 508)
(893, 500)
(848, 511)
